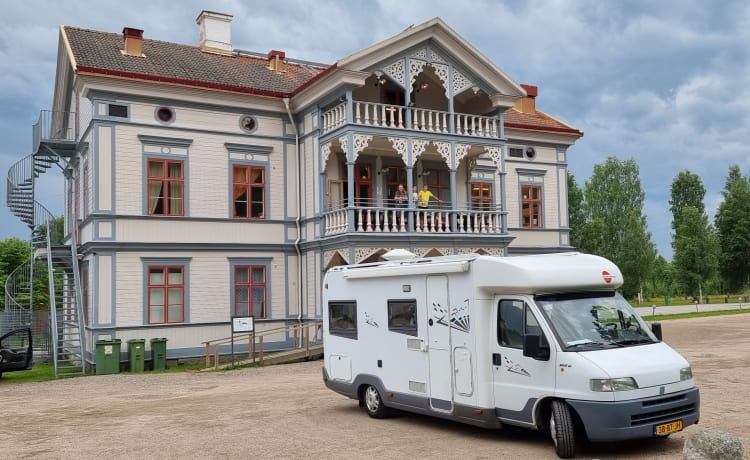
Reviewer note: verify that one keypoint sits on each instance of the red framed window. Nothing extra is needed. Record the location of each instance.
(394, 175)
(250, 291)
(166, 294)
(531, 206)
(439, 182)
(481, 196)
(362, 183)
(166, 187)
(249, 192)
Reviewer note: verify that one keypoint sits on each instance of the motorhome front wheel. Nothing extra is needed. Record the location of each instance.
(562, 430)
(374, 403)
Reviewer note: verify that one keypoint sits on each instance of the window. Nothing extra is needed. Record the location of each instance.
(343, 319)
(248, 123)
(402, 316)
(362, 183)
(116, 110)
(85, 191)
(514, 321)
(531, 206)
(164, 114)
(515, 152)
(166, 187)
(394, 175)
(439, 182)
(166, 295)
(481, 196)
(250, 291)
(249, 191)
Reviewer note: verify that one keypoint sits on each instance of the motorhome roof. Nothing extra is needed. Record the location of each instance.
(532, 274)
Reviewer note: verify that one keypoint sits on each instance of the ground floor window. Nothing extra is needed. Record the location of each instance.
(250, 291)
(166, 294)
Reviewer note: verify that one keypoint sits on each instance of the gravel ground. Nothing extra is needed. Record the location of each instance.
(284, 412)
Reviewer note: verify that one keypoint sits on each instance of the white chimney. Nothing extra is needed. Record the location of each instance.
(215, 32)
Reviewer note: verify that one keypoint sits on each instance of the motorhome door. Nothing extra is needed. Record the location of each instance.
(439, 336)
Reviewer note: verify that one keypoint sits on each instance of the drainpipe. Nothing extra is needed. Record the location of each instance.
(299, 213)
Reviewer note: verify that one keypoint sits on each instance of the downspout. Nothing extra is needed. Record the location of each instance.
(299, 211)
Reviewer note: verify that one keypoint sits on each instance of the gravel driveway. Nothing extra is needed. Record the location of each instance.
(286, 412)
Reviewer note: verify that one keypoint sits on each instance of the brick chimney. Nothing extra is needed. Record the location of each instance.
(133, 41)
(527, 104)
(215, 32)
(276, 61)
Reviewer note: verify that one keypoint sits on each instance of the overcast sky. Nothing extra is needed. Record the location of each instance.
(665, 82)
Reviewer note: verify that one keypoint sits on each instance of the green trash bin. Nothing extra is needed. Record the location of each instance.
(158, 354)
(667, 300)
(136, 354)
(108, 356)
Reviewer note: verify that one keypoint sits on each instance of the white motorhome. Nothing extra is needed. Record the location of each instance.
(542, 341)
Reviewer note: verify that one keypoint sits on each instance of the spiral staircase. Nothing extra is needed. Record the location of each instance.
(53, 266)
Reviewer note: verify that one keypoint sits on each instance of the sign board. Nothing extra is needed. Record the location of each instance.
(243, 324)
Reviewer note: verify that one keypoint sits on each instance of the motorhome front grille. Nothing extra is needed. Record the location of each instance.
(661, 415)
(656, 402)
(417, 387)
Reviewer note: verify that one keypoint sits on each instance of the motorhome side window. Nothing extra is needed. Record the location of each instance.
(402, 316)
(343, 319)
(514, 320)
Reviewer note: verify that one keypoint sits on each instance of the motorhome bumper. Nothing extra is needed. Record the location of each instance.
(619, 420)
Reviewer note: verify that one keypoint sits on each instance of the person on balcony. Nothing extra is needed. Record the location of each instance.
(400, 198)
(423, 200)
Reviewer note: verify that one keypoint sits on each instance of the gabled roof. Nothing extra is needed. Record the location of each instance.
(99, 53)
(537, 121)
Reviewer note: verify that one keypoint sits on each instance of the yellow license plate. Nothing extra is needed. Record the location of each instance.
(667, 428)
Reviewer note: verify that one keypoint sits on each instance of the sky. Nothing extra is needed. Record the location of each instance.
(666, 83)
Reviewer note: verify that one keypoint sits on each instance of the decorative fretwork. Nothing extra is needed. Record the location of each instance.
(418, 147)
(441, 70)
(420, 252)
(399, 144)
(329, 255)
(460, 82)
(361, 254)
(344, 144)
(496, 154)
(415, 68)
(421, 54)
(461, 151)
(325, 149)
(444, 149)
(437, 58)
(397, 71)
(361, 141)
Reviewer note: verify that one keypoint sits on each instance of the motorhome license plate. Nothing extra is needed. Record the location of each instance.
(667, 428)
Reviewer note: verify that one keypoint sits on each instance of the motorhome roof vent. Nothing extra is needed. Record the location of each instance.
(399, 254)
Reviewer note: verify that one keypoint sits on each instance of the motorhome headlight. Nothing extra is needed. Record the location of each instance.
(619, 384)
(686, 373)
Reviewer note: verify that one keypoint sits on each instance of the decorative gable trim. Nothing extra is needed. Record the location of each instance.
(165, 141)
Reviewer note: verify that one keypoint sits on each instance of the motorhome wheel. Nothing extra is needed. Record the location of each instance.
(374, 403)
(562, 430)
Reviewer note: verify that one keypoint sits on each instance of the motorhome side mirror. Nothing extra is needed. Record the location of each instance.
(536, 346)
(656, 329)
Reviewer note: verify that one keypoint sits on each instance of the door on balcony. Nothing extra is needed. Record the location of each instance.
(336, 194)
(394, 175)
(363, 195)
(481, 196)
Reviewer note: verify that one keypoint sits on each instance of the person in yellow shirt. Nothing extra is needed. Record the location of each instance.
(423, 200)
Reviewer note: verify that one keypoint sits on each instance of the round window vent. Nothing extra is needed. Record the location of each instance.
(248, 123)
(530, 153)
(165, 114)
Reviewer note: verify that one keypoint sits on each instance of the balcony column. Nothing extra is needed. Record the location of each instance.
(454, 197)
(350, 196)
(503, 201)
(412, 204)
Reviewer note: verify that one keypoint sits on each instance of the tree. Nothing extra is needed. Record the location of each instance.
(732, 223)
(615, 225)
(661, 279)
(576, 213)
(695, 250)
(13, 253)
(687, 190)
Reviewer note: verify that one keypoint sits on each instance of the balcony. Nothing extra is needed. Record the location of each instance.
(374, 114)
(385, 220)
(57, 130)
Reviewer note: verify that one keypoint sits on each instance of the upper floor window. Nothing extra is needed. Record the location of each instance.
(117, 110)
(250, 291)
(166, 187)
(166, 294)
(439, 182)
(481, 196)
(249, 191)
(531, 206)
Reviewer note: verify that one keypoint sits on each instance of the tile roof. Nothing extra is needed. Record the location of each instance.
(537, 121)
(100, 53)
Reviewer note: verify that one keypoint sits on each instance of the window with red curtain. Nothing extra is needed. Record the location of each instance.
(249, 192)
(250, 291)
(166, 294)
(166, 187)
(531, 206)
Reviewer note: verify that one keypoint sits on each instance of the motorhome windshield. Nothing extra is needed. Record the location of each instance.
(591, 321)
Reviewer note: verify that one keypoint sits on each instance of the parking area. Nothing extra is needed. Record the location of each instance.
(287, 412)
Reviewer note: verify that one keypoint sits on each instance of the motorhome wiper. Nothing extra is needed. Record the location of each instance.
(593, 344)
(635, 341)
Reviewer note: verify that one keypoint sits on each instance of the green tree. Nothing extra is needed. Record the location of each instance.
(732, 223)
(13, 253)
(576, 212)
(687, 190)
(661, 280)
(615, 224)
(695, 250)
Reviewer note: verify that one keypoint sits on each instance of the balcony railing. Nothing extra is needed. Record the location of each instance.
(414, 118)
(64, 127)
(412, 220)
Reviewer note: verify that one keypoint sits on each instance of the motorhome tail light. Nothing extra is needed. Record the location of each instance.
(619, 384)
(686, 373)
